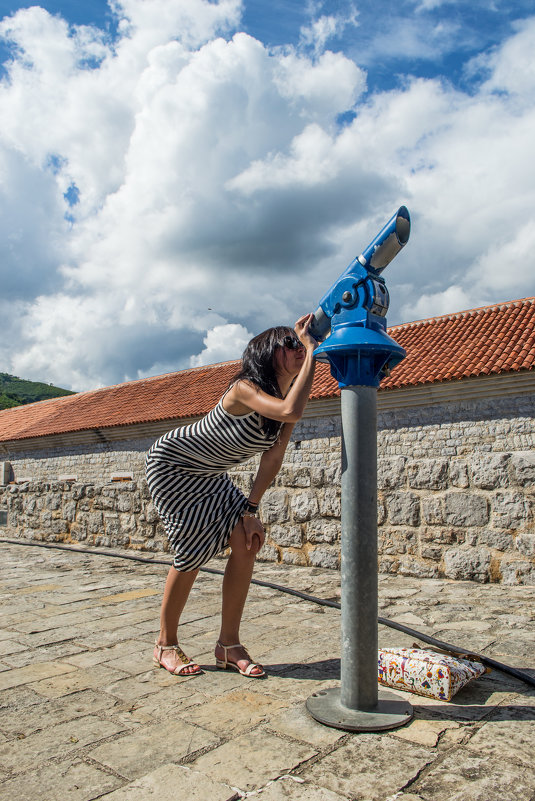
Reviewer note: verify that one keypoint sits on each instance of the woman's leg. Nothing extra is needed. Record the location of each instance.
(236, 581)
(176, 592)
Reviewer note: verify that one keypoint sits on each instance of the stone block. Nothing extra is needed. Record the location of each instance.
(381, 511)
(467, 564)
(494, 538)
(59, 526)
(390, 472)
(124, 503)
(403, 508)
(295, 476)
(322, 531)
(510, 510)
(78, 491)
(275, 506)
(289, 535)
(78, 531)
(294, 557)
(317, 477)
(517, 572)
(489, 471)
(330, 502)
(433, 552)
(69, 511)
(53, 501)
(523, 468)
(413, 567)
(150, 514)
(333, 473)
(105, 502)
(433, 510)
(112, 525)
(29, 506)
(268, 553)
(428, 474)
(459, 474)
(466, 509)
(304, 506)
(525, 544)
(324, 557)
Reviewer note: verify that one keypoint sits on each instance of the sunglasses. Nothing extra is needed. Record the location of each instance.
(292, 343)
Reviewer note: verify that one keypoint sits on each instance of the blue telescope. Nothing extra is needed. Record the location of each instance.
(350, 321)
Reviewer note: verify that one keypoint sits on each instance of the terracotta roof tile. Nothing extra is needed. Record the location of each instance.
(484, 341)
(492, 339)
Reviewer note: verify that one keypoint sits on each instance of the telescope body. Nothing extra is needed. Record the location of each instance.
(350, 322)
(360, 353)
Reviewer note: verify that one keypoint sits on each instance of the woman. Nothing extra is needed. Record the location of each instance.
(202, 510)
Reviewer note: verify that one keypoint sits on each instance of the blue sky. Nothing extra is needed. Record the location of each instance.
(429, 38)
(177, 175)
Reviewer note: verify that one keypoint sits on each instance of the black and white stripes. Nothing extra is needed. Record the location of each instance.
(186, 473)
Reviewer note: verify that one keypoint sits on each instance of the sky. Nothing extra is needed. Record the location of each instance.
(178, 175)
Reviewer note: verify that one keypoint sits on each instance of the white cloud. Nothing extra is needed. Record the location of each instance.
(454, 298)
(218, 195)
(222, 343)
(324, 27)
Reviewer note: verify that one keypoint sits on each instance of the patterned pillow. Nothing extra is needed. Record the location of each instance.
(426, 672)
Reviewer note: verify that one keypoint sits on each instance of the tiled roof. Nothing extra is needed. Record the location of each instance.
(493, 339)
(484, 341)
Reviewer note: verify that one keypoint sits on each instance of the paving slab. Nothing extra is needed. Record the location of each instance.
(370, 767)
(75, 780)
(85, 715)
(288, 789)
(160, 742)
(467, 775)
(253, 759)
(33, 673)
(21, 754)
(171, 782)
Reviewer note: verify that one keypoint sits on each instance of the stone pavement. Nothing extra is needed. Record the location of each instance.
(85, 715)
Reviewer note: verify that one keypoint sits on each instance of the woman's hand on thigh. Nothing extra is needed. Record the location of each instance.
(254, 534)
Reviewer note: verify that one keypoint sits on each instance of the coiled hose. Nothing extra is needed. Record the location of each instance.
(443, 646)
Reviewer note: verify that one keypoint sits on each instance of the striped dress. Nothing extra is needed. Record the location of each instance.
(195, 498)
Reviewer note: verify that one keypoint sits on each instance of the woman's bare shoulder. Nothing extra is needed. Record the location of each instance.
(235, 399)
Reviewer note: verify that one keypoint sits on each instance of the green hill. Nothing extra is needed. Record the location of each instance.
(17, 391)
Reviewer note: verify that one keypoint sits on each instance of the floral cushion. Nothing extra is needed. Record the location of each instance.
(426, 672)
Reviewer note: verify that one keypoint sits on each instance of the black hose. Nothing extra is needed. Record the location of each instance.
(443, 646)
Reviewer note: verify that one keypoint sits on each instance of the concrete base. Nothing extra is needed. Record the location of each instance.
(391, 712)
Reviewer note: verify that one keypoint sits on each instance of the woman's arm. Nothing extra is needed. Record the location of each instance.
(245, 395)
(270, 464)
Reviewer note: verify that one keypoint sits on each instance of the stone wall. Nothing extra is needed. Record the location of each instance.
(456, 493)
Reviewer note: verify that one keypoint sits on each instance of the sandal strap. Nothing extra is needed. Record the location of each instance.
(180, 653)
(250, 667)
(226, 647)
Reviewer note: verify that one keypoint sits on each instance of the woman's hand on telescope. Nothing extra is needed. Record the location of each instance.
(301, 328)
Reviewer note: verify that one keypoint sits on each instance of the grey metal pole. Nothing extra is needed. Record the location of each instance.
(359, 548)
(358, 705)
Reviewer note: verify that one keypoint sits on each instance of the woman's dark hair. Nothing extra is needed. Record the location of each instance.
(257, 366)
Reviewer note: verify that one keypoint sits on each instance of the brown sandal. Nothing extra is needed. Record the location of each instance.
(177, 671)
